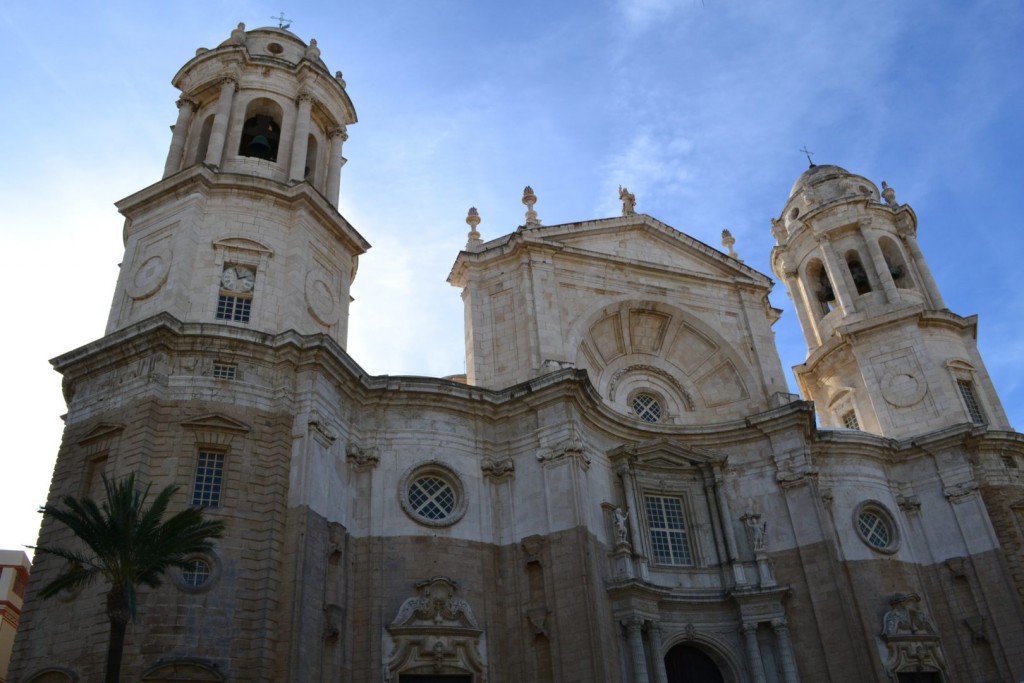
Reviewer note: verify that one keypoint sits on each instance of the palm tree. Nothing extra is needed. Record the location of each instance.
(128, 544)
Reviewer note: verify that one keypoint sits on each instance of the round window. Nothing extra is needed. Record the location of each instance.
(198, 574)
(432, 494)
(646, 407)
(876, 528)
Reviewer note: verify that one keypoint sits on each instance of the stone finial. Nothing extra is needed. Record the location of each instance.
(728, 241)
(628, 200)
(341, 79)
(238, 35)
(312, 52)
(888, 194)
(473, 220)
(529, 199)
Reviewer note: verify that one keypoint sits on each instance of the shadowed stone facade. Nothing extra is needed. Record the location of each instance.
(619, 490)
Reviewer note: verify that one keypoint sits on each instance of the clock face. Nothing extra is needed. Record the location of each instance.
(237, 279)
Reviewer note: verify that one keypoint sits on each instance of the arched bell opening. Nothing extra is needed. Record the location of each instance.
(893, 256)
(857, 272)
(822, 294)
(261, 132)
(689, 664)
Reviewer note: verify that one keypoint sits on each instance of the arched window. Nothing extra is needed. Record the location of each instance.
(857, 272)
(261, 133)
(897, 265)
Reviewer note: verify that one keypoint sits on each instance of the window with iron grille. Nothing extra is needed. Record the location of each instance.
(233, 307)
(209, 479)
(646, 407)
(971, 401)
(432, 498)
(876, 527)
(196, 573)
(432, 494)
(850, 420)
(670, 543)
(224, 371)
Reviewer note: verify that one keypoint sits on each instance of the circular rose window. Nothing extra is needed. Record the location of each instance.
(876, 528)
(433, 495)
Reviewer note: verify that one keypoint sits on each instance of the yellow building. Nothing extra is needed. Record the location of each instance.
(14, 566)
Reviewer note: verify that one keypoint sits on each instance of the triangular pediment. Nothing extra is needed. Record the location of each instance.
(216, 422)
(665, 453)
(644, 241)
(101, 432)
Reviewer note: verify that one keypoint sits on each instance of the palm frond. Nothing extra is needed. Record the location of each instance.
(130, 542)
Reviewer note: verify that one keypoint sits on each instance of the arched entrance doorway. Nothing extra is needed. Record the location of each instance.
(687, 664)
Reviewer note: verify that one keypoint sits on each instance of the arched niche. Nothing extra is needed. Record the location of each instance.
(54, 674)
(652, 347)
(175, 671)
(311, 172)
(198, 153)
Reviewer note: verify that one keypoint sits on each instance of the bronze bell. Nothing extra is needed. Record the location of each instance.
(259, 148)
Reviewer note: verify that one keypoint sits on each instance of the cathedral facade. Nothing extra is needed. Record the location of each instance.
(620, 489)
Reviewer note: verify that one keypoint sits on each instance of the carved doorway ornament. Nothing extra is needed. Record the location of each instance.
(435, 635)
(912, 641)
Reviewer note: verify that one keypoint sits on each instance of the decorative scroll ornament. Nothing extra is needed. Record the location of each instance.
(362, 458)
(498, 468)
(572, 449)
(436, 633)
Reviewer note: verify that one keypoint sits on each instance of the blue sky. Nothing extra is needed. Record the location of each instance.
(699, 108)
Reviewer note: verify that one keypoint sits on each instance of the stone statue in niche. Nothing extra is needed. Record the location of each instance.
(757, 529)
(621, 529)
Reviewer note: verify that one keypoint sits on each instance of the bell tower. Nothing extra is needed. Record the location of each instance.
(243, 229)
(884, 353)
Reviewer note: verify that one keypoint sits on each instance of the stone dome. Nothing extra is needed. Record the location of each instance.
(815, 175)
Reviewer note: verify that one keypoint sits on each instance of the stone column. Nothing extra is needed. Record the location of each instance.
(808, 324)
(730, 535)
(186, 108)
(215, 148)
(789, 672)
(837, 276)
(922, 268)
(660, 676)
(753, 652)
(881, 267)
(300, 140)
(338, 136)
(634, 626)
